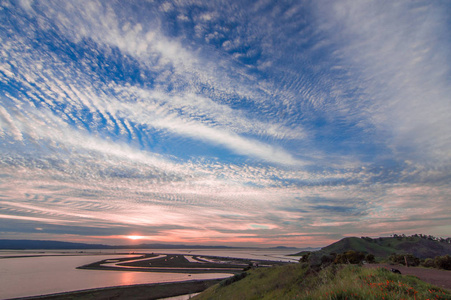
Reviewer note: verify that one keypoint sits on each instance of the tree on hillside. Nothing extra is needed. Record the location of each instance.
(402, 258)
(349, 257)
(443, 262)
(439, 262)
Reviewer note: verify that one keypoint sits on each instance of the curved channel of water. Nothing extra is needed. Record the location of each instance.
(32, 276)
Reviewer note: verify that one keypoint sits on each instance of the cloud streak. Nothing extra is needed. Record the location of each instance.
(243, 123)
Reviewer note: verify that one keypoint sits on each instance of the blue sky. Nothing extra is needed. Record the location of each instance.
(246, 123)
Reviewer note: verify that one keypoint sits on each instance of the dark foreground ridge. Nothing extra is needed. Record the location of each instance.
(140, 291)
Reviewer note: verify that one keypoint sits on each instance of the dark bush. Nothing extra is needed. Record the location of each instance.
(443, 262)
(428, 263)
(233, 279)
(349, 257)
(370, 258)
(327, 259)
(305, 258)
(412, 261)
(249, 266)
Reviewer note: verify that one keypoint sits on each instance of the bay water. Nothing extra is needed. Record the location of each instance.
(22, 274)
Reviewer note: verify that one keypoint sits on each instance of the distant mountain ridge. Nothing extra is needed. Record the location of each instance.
(43, 244)
(57, 245)
(418, 245)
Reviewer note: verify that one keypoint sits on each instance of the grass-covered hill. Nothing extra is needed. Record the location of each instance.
(299, 281)
(319, 278)
(419, 246)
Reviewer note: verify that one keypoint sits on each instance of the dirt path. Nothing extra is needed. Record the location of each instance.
(439, 278)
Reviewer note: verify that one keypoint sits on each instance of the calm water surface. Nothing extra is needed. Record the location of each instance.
(32, 276)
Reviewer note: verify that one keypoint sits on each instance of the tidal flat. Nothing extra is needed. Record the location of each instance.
(51, 272)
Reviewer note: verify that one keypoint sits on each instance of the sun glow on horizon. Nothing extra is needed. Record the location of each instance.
(135, 237)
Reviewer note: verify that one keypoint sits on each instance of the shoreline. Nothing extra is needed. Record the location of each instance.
(217, 266)
(150, 291)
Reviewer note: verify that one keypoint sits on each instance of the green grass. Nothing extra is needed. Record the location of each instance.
(298, 281)
(354, 282)
(263, 283)
(381, 248)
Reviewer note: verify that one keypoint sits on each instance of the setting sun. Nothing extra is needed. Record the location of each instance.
(135, 237)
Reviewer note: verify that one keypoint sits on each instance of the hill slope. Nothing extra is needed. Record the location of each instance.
(298, 281)
(384, 246)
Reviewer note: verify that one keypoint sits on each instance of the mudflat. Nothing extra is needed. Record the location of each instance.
(178, 263)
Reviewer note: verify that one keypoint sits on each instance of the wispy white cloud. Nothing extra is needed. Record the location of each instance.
(186, 114)
(396, 56)
(318, 119)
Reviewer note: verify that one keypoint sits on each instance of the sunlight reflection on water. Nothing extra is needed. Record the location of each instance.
(128, 278)
(31, 276)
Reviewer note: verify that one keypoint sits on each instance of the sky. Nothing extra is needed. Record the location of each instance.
(239, 123)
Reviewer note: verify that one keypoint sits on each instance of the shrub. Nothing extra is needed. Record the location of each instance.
(327, 259)
(428, 263)
(349, 257)
(248, 267)
(370, 258)
(233, 279)
(443, 262)
(401, 259)
(305, 257)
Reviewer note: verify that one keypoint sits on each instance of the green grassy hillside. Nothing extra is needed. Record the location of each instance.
(360, 245)
(384, 246)
(299, 281)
